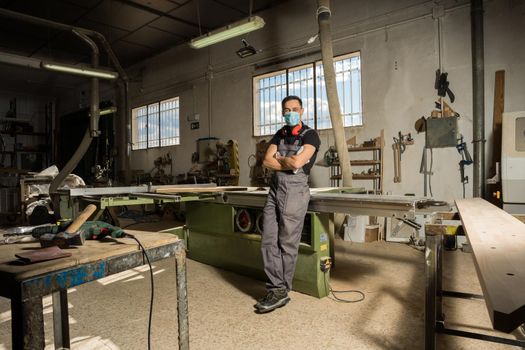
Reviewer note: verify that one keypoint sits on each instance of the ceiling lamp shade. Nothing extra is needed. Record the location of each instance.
(230, 31)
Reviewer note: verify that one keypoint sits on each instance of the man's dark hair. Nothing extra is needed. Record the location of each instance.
(289, 98)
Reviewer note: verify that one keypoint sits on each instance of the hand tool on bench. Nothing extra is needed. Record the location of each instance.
(72, 235)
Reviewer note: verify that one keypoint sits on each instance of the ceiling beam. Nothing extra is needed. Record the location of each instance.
(160, 13)
(245, 13)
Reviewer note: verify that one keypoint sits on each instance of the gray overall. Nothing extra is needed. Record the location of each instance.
(284, 214)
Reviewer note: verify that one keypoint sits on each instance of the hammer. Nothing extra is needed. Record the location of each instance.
(71, 235)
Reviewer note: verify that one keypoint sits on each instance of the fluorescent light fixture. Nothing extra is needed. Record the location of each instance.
(230, 31)
(79, 70)
(108, 110)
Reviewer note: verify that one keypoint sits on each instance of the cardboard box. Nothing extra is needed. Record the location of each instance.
(371, 233)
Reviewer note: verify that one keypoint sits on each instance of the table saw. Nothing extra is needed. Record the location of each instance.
(223, 224)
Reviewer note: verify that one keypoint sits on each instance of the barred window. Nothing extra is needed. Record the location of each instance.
(156, 124)
(307, 82)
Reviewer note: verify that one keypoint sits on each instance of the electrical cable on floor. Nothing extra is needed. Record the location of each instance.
(152, 286)
(327, 286)
(140, 222)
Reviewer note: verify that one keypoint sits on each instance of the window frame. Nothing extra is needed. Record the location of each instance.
(159, 140)
(256, 125)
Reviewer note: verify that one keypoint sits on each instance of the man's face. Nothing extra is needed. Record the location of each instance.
(293, 106)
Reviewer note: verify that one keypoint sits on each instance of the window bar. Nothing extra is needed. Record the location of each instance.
(274, 102)
(352, 107)
(262, 107)
(315, 94)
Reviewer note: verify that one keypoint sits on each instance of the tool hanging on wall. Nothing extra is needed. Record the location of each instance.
(440, 128)
(442, 85)
(399, 147)
(466, 159)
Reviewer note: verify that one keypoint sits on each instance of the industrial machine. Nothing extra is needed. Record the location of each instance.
(228, 238)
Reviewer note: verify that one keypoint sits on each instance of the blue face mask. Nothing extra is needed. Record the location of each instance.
(292, 118)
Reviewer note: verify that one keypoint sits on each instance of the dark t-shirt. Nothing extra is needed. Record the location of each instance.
(309, 138)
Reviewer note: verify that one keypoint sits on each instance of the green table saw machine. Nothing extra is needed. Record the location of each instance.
(213, 236)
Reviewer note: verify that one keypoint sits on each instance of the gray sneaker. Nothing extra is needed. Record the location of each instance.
(274, 299)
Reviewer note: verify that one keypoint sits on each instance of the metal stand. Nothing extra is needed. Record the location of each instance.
(182, 300)
(61, 319)
(434, 317)
(433, 301)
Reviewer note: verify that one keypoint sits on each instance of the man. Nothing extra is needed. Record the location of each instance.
(291, 154)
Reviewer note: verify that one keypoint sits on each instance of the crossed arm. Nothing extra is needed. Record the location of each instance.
(275, 161)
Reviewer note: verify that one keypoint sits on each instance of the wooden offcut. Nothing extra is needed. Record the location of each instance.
(498, 243)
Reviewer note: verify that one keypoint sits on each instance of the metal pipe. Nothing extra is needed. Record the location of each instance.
(35, 20)
(325, 37)
(95, 91)
(478, 97)
(90, 133)
(124, 112)
(27, 62)
(125, 116)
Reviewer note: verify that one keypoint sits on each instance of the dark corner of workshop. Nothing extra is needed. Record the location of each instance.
(262, 174)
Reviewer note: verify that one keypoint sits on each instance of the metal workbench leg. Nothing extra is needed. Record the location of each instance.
(27, 322)
(430, 290)
(60, 319)
(440, 317)
(182, 299)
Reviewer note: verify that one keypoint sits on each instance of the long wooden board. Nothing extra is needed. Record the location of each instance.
(498, 243)
(199, 189)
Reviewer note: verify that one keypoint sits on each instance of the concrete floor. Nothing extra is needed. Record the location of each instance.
(112, 313)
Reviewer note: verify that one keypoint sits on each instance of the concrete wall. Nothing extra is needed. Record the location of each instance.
(399, 46)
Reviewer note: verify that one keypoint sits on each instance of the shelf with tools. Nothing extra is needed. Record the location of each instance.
(375, 171)
(25, 138)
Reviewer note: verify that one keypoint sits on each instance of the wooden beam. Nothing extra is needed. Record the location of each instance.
(498, 243)
(494, 190)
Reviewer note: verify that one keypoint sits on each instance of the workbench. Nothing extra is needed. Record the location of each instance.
(498, 241)
(26, 284)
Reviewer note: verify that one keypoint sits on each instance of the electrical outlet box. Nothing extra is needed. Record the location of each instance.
(194, 117)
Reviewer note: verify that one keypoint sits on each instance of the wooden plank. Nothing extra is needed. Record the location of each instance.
(497, 120)
(199, 189)
(499, 107)
(91, 251)
(498, 243)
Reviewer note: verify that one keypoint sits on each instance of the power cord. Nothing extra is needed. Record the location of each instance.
(152, 286)
(140, 222)
(326, 263)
